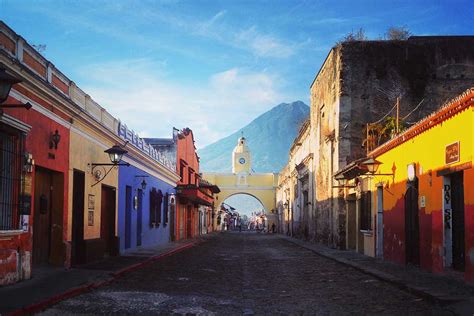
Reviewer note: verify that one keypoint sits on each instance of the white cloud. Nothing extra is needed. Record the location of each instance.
(264, 45)
(138, 93)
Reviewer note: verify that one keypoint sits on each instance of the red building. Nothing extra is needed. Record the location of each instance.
(194, 206)
(34, 159)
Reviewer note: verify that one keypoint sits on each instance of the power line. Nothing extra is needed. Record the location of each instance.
(416, 108)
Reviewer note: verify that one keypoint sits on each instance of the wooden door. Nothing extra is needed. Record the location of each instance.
(42, 216)
(351, 223)
(457, 202)
(77, 241)
(107, 219)
(412, 227)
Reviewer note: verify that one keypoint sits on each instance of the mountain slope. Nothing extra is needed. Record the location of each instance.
(269, 138)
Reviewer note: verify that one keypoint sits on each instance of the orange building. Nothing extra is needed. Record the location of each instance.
(195, 203)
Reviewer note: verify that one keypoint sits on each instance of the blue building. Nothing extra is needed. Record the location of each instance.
(146, 195)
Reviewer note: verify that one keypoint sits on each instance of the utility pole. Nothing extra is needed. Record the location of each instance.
(397, 126)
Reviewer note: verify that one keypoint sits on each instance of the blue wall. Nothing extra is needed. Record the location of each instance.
(150, 236)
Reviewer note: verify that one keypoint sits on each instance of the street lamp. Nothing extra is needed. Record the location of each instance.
(372, 166)
(115, 155)
(341, 179)
(6, 83)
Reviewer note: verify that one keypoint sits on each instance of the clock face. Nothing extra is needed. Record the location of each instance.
(242, 161)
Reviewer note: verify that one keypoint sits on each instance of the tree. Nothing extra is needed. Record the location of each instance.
(400, 33)
(352, 36)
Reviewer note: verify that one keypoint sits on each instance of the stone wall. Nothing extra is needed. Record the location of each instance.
(359, 83)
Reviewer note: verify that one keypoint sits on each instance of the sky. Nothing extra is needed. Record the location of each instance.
(212, 66)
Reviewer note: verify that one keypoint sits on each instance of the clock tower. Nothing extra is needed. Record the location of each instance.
(241, 162)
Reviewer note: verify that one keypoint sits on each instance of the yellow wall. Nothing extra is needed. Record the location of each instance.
(260, 185)
(427, 150)
(88, 147)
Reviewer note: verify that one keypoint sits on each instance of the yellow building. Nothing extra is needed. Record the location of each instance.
(411, 201)
(243, 180)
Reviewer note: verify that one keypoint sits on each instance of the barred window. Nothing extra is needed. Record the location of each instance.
(11, 148)
(165, 209)
(366, 211)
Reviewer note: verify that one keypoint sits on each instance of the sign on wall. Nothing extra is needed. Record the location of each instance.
(452, 153)
(91, 207)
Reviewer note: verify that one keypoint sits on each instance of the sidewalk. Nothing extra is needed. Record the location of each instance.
(449, 291)
(52, 284)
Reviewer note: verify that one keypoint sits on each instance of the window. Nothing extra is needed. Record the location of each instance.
(11, 148)
(190, 176)
(159, 202)
(156, 198)
(365, 211)
(181, 171)
(153, 207)
(165, 209)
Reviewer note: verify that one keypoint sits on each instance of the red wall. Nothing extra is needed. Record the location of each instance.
(37, 143)
(430, 223)
(186, 151)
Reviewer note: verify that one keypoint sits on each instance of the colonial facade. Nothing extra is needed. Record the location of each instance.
(359, 83)
(295, 192)
(412, 196)
(63, 192)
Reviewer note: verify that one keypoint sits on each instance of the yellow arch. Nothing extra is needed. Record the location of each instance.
(262, 186)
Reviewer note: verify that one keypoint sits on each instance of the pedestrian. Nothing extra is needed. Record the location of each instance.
(273, 228)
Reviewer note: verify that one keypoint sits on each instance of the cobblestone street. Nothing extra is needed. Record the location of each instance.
(246, 273)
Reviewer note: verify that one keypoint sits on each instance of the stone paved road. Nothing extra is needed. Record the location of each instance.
(246, 273)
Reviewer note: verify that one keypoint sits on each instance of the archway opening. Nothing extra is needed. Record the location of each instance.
(244, 211)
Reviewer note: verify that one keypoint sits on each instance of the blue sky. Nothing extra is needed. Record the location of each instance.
(212, 66)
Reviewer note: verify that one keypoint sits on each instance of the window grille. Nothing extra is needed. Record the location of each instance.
(165, 209)
(11, 149)
(366, 211)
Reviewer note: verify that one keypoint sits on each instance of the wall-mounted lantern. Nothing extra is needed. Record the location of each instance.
(6, 83)
(372, 166)
(343, 182)
(115, 153)
(143, 184)
(54, 140)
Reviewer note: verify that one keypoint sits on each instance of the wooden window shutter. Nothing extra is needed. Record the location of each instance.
(153, 194)
(159, 201)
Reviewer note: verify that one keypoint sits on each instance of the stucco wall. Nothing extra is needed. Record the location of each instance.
(151, 236)
(88, 147)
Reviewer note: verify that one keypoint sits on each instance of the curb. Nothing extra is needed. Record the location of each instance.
(33, 308)
(386, 277)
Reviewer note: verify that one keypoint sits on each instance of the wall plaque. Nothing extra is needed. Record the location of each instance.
(452, 153)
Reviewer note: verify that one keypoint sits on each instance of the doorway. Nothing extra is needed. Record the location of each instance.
(77, 241)
(48, 217)
(172, 219)
(412, 227)
(457, 205)
(379, 248)
(139, 216)
(128, 216)
(351, 222)
(107, 220)
(189, 213)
